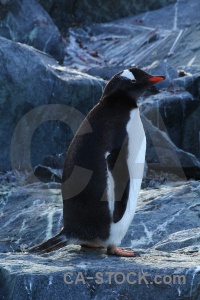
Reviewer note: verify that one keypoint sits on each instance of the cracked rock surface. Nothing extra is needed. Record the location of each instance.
(165, 234)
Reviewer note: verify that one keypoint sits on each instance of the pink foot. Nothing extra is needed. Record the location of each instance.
(119, 252)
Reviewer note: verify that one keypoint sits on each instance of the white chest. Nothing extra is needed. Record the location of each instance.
(135, 161)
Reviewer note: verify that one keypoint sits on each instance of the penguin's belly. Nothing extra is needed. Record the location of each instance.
(135, 162)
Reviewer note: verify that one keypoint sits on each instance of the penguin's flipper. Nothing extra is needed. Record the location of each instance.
(56, 242)
(117, 165)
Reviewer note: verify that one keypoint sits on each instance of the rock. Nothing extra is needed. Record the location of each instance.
(182, 239)
(75, 12)
(9, 246)
(36, 92)
(33, 213)
(190, 132)
(72, 274)
(189, 83)
(55, 162)
(163, 155)
(191, 69)
(139, 40)
(186, 38)
(27, 22)
(47, 174)
(177, 113)
(172, 17)
(18, 223)
(166, 218)
(162, 214)
(168, 112)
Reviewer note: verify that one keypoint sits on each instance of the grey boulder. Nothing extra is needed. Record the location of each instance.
(41, 104)
(166, 218)
(70, 13)
(169, 33)
(163, 156)
(185, 240)
(27, 22)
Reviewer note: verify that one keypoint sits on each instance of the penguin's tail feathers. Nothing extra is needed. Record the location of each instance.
(56, 242)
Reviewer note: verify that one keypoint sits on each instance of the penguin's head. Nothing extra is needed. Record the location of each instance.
(129, 85)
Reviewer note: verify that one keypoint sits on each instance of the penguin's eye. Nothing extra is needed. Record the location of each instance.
(133, 81)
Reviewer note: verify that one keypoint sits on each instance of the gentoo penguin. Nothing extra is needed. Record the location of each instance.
(114, 151)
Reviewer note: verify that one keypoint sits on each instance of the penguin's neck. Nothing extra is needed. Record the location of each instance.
(119, 99)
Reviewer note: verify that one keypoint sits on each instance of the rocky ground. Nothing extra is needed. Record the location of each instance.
(51, 76)
(165, 234)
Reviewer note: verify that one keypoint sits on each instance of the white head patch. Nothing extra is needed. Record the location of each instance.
(128, 74)
(106, 154)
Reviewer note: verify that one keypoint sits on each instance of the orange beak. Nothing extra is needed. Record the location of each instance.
(155, 79)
